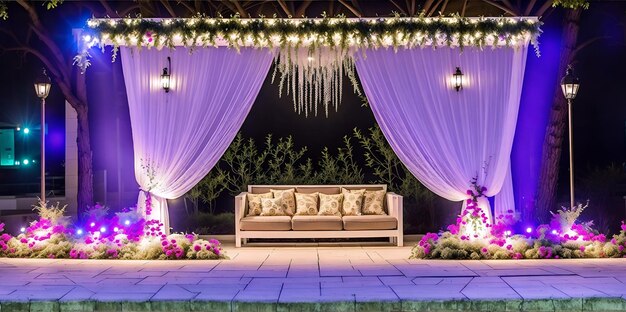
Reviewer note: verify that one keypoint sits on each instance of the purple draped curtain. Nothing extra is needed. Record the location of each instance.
(179, 136)
(445, 137)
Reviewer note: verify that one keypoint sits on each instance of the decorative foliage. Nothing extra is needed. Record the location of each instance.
(566, 217)
(312, 55)
(123, 236)
(571, 4)
(547, 241)
(325, 32)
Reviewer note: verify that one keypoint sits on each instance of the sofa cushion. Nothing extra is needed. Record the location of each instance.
(316, 223)
(272, 207)
(373, 203)
(369, 222)
(352, 202)
(306, 204)
(329, 190)
(288, 199)
(254, 202)
(330, 205)
(266, 223)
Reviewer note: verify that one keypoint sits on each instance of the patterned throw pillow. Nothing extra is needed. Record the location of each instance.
(289, 201)
(330, 205)
(272, 207)
(352, 202)
(373, 203)
(306, 204)
(254, 203)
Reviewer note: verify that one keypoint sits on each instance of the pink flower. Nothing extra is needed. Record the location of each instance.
(23, 241)
(517, 255)
(168, 253)
(164, 243)
(621, 248)
(582, 248)
(197, 248)
(509, 247)
(484, 250)
(454, 229)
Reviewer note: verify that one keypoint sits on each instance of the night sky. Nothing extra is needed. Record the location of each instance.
(599, 110)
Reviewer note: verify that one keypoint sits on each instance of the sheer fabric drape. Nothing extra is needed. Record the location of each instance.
(179, 136)
(446, 138)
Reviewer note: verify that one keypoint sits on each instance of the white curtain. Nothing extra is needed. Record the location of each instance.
(445, 137)
(179, 136)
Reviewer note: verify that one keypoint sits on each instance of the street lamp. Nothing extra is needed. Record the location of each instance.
(569, 86)
(42, 89)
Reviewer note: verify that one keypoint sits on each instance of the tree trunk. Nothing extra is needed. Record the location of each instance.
(553, 140)
(85, 171)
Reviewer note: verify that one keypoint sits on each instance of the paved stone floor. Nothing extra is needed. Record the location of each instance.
(341, 278)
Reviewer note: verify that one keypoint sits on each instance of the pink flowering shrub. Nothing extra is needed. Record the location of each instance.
(126, 235)
(561, 238)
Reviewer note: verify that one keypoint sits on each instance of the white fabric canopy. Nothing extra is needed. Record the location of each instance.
(180, 135)
(445, 137)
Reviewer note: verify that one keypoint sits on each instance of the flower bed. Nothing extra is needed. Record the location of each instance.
(126, 235)
(562, 238)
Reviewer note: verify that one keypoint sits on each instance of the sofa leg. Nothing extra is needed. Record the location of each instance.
(237, 241)
(392, 240)
(400, 240)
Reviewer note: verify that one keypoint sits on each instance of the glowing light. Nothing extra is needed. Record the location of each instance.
(554, 232)
(127, 222)
(507, 233)
(87, 38)
(18, 129)
(25, 161)
(116, 229)
(17, 163)
(26, 131)
(92, 224)
(529, 230)
(103, 229)
(79, 232)
(22, 229)
(96, 234)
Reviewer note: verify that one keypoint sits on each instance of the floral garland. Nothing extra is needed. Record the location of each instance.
(313, 54)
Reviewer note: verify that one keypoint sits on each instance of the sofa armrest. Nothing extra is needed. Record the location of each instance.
(240, 206)
(395, 206)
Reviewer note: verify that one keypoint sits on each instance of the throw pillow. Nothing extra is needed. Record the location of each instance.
(254, 203)
(272, 207)
(306, 204)
(352, 202)
(330, 205)
(373, 203)
(289, 201)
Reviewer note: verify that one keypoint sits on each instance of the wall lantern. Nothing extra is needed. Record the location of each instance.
(457, 79)
(42, 85)
(570, 84)
(165, 77)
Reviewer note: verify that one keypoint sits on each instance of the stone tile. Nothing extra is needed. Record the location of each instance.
(173, 292)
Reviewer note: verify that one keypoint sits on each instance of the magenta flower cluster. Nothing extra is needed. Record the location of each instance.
(427, 241)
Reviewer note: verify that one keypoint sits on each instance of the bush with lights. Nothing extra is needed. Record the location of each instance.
(472, 237)
(125, 235)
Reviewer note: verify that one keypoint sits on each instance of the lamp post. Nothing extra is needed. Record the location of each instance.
(569, 86)
(42, 89)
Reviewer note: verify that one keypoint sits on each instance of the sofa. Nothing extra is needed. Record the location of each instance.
(387, 224)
